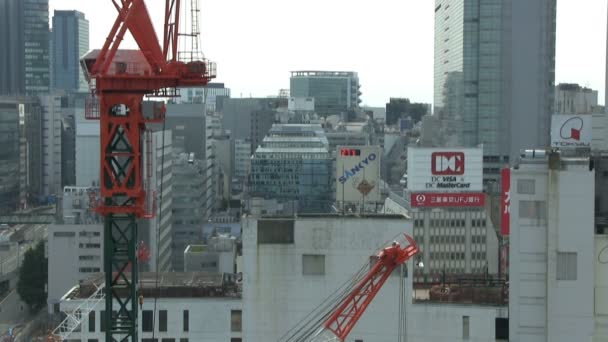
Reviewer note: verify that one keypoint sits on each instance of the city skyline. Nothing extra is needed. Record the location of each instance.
(386, 67)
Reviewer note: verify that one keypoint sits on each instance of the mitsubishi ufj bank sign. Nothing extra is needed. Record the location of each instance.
(571, 131)
(358, 174)
(444, 169)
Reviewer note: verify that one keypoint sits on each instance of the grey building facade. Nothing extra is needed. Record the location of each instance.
(335, 92)
(70, 41)
(21, 152)
(24, 37)
(189, 207)
(494, 81)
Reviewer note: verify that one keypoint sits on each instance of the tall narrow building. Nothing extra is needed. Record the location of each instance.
(70, 40)
(494, 81)
(24, 37)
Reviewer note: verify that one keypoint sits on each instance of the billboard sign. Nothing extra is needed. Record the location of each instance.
(444, 169)
(358, 173)
(436, 199)
(571, 131)
(505, 201)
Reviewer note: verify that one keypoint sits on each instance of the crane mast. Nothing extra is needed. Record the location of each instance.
(119, 80)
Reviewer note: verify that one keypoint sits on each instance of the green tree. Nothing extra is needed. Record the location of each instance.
(33, 277)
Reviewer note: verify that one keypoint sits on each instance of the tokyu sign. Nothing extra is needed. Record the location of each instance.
(358, 173)
(444, 169)
(571, 131)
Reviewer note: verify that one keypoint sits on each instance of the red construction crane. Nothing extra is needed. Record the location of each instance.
(119, 80)
(342, 317)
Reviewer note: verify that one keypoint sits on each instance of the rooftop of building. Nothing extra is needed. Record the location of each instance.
(464, 289)
(169, 285)
(321, 73)
(573, 87)
(337, 216)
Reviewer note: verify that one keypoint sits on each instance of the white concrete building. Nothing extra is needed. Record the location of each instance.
(74, 247)
(74, 252)
(190, 307)
(574, 99)
(458, 241)
(552, 256)
(291, 265)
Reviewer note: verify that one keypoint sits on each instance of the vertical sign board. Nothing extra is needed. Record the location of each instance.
(358, 173)
(571, 131)
(505, 201)
(444, 169)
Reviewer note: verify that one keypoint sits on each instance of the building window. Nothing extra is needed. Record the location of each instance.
(186, 320)
(358, 340)
(102, 321)
(168, 340)
(236, 339)
(566, 266)
(146, 320)
(526, 186)
(313, 264)
(64, 234)
(92, 321)
(235, 320)
(149, 340)
(162, 320)
(275, 232)
(183, 340)
(465, 327)
(532, 210)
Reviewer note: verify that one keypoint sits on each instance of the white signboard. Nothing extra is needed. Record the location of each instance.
(571, 131)
(358, 174)
(444, 169)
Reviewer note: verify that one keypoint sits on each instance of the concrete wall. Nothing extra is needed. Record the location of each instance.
(444, 322)
(601, 289)
(277, 295)
(543, 308)
(209, 319)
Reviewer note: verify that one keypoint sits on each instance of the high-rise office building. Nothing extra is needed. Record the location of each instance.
(494, 74)
(24, 37)
(20, 155)
(70, 41)
(335, 92)
(51, 144)
(188, 211)
(293, 164)
(156, 233)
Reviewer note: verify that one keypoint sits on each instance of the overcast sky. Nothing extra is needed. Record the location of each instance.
(388, 42)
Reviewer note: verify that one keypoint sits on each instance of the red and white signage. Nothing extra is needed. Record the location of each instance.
(444, 170)
(434, 199)
(505, 201)
(447, 163)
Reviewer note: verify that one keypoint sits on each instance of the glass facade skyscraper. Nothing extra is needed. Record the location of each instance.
(294, 164)
(335, 92)
(70, 41)
(24, 36)
(494, 72)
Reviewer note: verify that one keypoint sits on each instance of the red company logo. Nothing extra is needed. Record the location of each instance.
(571, 129)
(447, 163)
